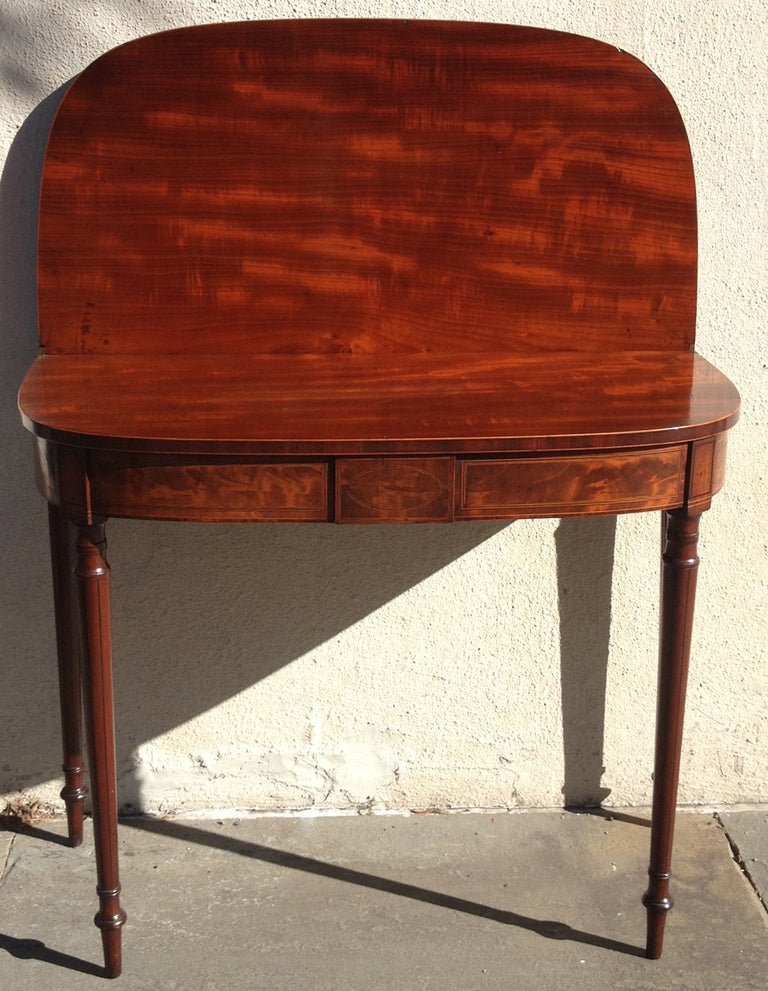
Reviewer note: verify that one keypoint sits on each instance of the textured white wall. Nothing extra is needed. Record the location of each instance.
(285, 666)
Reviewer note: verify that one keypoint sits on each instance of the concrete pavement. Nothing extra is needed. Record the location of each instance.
(531, 900)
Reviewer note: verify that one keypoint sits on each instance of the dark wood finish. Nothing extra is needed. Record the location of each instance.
(680, 565)
(394, 490)
(366, 272)
(67, 607)
(567, 486)
(383, 187)
(93, 574)
(707, 471)
(350, 404)
(212, 489)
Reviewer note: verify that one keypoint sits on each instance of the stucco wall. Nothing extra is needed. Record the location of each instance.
(487, 665)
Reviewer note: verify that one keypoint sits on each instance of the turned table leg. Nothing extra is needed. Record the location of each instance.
(678, 589)
(93, 573)
(66, 608)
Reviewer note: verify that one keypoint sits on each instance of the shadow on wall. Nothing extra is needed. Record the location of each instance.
(585, 550)
(28, 698)
(296, 601)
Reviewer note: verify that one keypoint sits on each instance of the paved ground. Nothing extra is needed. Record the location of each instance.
(528, 901)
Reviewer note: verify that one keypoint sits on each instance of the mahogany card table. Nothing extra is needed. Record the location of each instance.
(365, 272)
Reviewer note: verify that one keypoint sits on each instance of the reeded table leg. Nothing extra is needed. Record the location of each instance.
(66, 606)
(93, 572)
(678, 590)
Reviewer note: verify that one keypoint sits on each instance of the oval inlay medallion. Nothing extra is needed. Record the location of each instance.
(384, 489)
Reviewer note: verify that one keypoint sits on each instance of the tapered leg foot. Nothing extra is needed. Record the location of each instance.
(111, 939)
(93, 573)
(74, 801)
(678, 590)
(657, 906)
(67, 610)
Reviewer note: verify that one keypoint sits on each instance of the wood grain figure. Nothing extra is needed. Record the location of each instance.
(365, 272)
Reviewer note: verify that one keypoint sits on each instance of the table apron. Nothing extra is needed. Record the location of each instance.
(91, 484)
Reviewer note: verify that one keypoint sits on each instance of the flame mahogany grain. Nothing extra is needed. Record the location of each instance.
(365, 271)
(374, 188)
(322, 404)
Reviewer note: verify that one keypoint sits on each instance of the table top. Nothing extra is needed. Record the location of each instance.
(347, 404)
(369, 237)
(346, 186)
